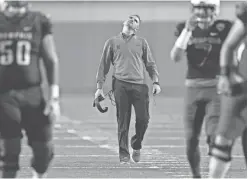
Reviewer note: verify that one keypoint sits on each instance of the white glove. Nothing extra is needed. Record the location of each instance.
(99, 92)
(156, 89)
(53, 109)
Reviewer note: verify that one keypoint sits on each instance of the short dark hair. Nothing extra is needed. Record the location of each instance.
(136, 15)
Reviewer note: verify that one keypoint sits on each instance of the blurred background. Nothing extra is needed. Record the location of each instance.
(82, 27)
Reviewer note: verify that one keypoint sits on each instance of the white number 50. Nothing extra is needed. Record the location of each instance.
(22, 53)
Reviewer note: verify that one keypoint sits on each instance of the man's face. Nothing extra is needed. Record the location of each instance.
(203, 13)
(133, 23)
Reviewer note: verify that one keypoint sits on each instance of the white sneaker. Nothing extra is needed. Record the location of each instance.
(136, 155)
(37, 175)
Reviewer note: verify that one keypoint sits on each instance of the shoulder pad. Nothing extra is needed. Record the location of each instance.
(222, 25)
(179, 27)
(41, 15)
(45, 16)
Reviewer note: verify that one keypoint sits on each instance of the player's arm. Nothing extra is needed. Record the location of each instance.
(180, 46)
(183, 34)
(240, 51)
(234, 38)
(105, 63)
(50, 58)
(150, 63)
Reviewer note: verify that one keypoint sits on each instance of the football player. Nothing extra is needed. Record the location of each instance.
(2, 6)
(233, 86)
(26, 37)
(200, 38)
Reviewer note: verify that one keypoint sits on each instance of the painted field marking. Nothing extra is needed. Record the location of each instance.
(104, 155)
(155, 157)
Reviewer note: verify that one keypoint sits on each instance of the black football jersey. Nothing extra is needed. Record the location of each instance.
(203, 51)
(20, 49)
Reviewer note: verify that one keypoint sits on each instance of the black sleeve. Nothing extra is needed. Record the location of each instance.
(241, 12)
(179, 29)
(46, 25)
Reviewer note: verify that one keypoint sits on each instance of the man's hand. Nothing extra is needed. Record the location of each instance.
(99, 96)
(191, 23)
(224, 86)
(53, 109)
(156, 89)
(99, 92)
